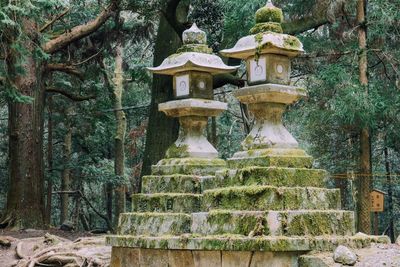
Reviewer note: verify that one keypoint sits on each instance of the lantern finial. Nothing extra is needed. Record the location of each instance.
(268, 18)
(194, 36)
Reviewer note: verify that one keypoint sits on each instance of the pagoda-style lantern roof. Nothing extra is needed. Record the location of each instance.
(266, 38)
(195, 55)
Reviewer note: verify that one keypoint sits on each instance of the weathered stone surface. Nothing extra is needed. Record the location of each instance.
(180, 258)
(344, 255)
(154, 224)
(173, 184)
(271, 259)
(242, 243)
(207, 258)
(153, 258)
(236, 258)
(125, 257)
(274, 223)
(274, 176)
(271, 198)
(269, 158)
(188, 166)
(317, 261)
(166, 202)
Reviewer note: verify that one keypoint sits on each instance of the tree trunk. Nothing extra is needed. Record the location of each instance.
(364, 217)
(119, 161)
(49, 195)
(167, 42)
(66, 174)
(25, 197)
(390, 195)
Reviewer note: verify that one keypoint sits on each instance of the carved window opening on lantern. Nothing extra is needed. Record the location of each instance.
(193, 84)
(268, 68)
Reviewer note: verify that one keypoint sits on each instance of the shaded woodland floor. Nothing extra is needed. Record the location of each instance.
(53, 248)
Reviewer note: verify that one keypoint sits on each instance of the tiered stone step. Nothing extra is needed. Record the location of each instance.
(291, 158)
(178, 183)
(274, 223)
(242, 243)
(166, 202)
(188, 166)
(154, 224)
(260, 198)
(274, 176)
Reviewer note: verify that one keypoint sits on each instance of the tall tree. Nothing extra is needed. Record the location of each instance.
(22, 38)
(119, 161)
(169, 32)
(365, 181)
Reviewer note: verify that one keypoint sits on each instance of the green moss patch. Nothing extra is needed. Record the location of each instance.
(218, 222)
(154, 224)
(291, 42)
(266, 27)
(273, 176)
(271, 198)
(175, 151)
(166, 202)
(269, 14)
(172, 184)
(195, 48)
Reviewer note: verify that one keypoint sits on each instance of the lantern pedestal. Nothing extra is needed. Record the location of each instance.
(269, 142)
(191, 153)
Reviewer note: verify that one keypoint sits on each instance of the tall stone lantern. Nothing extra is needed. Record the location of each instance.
(268, 53)
(192, 68)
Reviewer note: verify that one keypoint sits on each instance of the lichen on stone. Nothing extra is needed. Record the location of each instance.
(291, 42)
(269, 14)
(266, 27)
(175, 151)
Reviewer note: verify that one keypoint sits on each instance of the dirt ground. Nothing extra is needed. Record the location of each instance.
(28, 233)
(52, 246)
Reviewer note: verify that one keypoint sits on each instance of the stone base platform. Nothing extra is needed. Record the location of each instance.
(225, 251)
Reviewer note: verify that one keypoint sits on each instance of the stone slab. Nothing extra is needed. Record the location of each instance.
(274, 223)
(154, 224)
(274, 176)
(193, 107)
(173, 183)
(166, 202)
(236, 258)
(270, 161)
(188, 166)
(207, 258)
(259, 198)
(241, 243)
(180, 258)
(125, 257)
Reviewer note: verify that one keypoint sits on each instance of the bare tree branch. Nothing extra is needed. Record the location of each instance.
(59, 16)
(80, 31)
(323, 12)
(69, 95)
(69, 69)
(223, 79)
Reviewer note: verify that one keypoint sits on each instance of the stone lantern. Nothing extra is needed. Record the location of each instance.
(268, 53)
(192, 68)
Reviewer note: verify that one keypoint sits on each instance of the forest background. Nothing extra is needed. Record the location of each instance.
(79, 123)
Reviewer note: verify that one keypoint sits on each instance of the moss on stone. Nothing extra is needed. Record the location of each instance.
(269, 14)
(198, 48)
(166, 202)
(171, 184)
(266, 27)
(270, 197)
(291, 42)
(175, 151)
